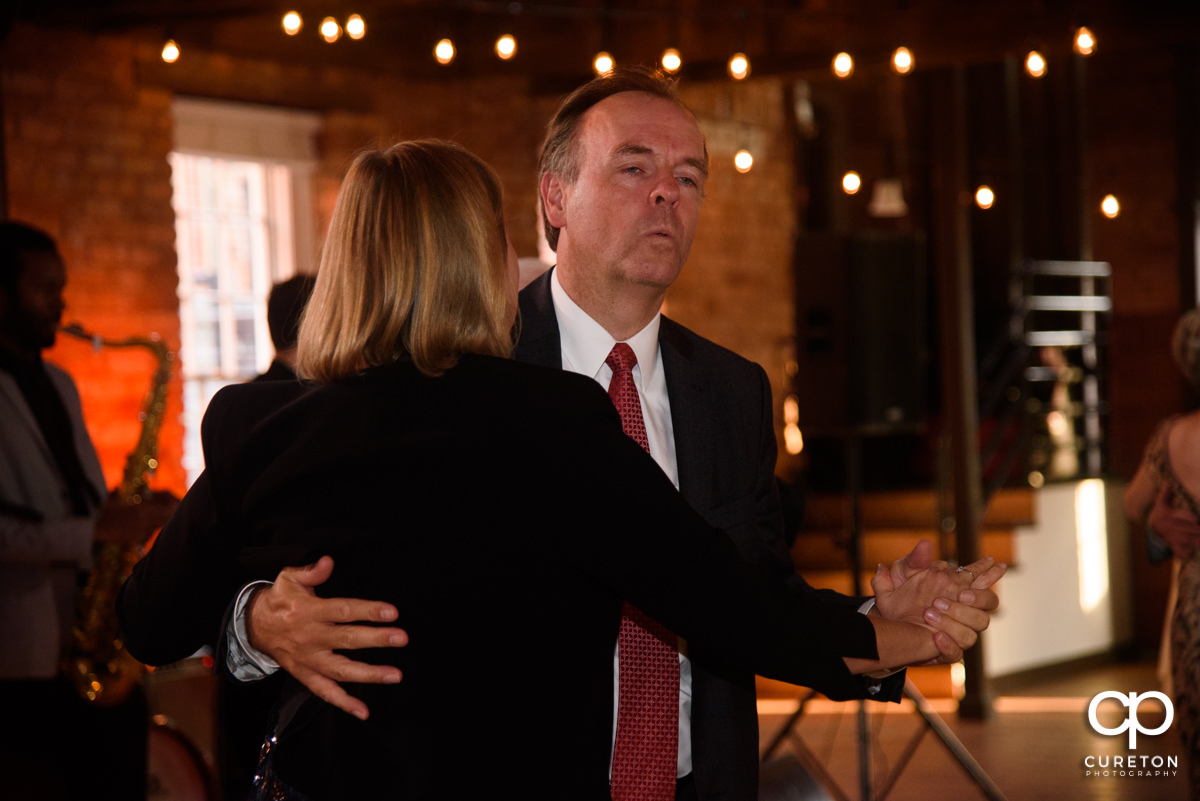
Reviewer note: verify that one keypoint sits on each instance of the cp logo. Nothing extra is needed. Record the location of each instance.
(1131, 722)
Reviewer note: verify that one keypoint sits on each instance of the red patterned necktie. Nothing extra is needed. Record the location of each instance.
(647, 748)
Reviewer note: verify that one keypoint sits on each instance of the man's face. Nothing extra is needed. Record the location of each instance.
(32, 315)
(630, 217)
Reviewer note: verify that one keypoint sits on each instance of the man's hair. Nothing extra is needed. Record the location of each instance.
(560, 149)
(284, 306)
(17, 239)
(414, 264)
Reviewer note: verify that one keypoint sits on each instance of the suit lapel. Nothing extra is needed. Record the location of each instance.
(690, 418)
(16, 402)
(687, 389)
(539, 341)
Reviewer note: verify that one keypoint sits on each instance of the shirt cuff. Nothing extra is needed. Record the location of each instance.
(243, 660)
(873, 687)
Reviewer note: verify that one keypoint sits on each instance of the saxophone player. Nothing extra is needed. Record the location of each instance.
(53, 508)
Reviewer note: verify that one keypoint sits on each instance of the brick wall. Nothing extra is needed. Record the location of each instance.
(87, 132)
(86, 155)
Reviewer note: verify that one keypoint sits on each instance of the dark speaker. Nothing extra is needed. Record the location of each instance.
(862, 351)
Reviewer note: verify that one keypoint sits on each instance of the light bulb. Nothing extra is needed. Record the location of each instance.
(355, 27)
(1110, 207)
(843, 65)
(506, 47)
(1085, 42)
(851, 182)
(671, 61)
(984, 197)
(603, 63)
(902, 60)
(330, 30)
(1035, 65)
(743, 161)
(444, 51)
(292, 23)
(170, 52)
(739, 66)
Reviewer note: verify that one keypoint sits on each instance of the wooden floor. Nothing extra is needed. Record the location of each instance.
(1034, 746)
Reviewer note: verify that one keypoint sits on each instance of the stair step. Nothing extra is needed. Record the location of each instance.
(1009, 508)
(823, 551)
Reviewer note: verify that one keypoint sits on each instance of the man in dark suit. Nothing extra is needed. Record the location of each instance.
(285, 304)
(622, 177)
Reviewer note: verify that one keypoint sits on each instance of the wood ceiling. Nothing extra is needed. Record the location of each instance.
(557, 39)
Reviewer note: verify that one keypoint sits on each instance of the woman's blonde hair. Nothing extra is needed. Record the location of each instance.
(414, 264)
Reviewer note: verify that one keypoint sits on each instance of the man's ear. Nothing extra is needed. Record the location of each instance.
(553, 201)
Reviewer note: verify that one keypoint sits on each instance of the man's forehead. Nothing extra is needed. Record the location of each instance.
(627, 129)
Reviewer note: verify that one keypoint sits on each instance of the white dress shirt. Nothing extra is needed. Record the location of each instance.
(585, 346)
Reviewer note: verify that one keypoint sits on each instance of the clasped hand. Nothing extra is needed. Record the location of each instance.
(956, 604)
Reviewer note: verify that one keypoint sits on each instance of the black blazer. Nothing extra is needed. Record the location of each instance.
(502, 509)
(722, 415)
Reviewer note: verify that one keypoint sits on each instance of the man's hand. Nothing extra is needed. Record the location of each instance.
(289, 623)
(1178, 527)
(956, 615)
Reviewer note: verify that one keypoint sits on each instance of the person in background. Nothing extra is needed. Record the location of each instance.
(243, 708)
(285, 304)
(1169, 476)
(53, 508)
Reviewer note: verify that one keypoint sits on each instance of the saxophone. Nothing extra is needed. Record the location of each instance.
(98, 666)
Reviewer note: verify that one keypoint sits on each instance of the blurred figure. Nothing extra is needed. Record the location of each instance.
(1170, 474)
(53, 507)
(243, 709)
(285, 304)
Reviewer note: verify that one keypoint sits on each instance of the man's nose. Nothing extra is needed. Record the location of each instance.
(666, 190)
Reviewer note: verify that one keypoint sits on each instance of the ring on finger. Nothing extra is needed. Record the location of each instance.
(962, 569)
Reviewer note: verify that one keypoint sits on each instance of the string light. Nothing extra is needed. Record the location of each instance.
(984, 197)
(902, 60)
(443, 51)
(506, 47)
(355, 27)
(1035, 65)
(1085, 42)
(170, 52)
(843, 65)
(851, 182)
(330, 30)
(743, 161)
(793, 439)
(292, 23)
(671, 60)
(603, 63)
(1109, 207)
(739, 66)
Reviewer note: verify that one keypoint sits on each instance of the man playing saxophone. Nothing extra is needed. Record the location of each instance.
(53, 507)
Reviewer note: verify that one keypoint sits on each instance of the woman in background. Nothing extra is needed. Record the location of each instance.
(1171, 466)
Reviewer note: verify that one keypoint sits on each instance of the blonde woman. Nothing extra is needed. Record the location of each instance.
(498, 505)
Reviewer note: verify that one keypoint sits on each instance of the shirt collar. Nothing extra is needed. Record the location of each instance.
(585, 343)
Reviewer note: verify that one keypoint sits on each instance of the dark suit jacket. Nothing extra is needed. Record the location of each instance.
(503, 510)
(721, 412)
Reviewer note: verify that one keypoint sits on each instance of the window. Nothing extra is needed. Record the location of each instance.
(240, 178)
